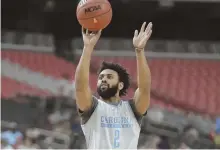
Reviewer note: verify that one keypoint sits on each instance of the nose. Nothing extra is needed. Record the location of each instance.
(104, 79)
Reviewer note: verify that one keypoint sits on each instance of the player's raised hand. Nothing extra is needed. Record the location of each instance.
(140, 39)
(90, 39)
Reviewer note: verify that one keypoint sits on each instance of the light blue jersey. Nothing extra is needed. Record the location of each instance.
(111, 126)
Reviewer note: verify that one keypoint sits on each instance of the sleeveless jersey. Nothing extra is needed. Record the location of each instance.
(112, 127)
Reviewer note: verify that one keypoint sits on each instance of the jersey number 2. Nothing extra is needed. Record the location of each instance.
(116, 139)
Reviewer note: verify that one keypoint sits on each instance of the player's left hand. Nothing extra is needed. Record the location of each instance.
(140, 40)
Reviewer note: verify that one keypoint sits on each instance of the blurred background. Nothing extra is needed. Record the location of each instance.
(40, 48)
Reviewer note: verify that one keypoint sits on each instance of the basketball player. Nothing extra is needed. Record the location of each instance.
(107, 121)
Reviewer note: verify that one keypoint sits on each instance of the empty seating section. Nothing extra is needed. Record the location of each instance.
(46, 63)
(11, 87)
(192, 82)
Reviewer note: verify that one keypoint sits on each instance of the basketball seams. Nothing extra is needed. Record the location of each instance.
(89, 4)
(82, 6)
(96, 16)
(104, 15)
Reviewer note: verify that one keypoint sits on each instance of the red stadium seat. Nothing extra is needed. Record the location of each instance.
(46, 63)
(195, 83)
(11, 87)
(192, 82)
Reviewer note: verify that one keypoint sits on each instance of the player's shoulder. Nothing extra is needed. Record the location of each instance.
(98, 101)
(128, 103)
(95, 98)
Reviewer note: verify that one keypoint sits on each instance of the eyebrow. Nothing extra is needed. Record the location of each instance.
(106, 74)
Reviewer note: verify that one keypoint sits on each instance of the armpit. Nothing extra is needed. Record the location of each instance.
(85, 115)
(137, 115)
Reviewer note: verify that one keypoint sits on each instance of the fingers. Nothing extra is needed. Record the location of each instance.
(135, 33)
(95, 33)
(99, 33)
(143, 27)
(147, 36)
(90, 33)
(85, 31)
(149, 27)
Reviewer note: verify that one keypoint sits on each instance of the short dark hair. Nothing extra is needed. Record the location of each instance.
(124, 77)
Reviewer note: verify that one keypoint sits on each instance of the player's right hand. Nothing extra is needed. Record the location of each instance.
(90, 39)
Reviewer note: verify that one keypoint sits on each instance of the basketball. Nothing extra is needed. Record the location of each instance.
(94, 15)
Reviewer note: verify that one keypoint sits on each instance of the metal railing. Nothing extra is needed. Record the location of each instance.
(45, 43)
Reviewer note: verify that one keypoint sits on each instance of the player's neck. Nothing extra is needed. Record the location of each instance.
(114, 99)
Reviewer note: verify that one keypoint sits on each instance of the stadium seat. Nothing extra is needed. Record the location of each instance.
(191, 82)
(40, 62)
(11, 87)
(194, 83)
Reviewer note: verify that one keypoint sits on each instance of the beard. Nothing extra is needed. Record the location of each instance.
(108, 92)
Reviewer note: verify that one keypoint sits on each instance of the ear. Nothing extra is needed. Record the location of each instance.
(120, 85)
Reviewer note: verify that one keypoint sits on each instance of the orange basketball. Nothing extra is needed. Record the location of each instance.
(94, 14)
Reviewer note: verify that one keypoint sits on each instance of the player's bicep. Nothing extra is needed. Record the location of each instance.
(83, 98)
(142, 100)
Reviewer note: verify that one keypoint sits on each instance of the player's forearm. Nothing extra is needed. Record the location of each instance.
(82, 70)
(143, 71)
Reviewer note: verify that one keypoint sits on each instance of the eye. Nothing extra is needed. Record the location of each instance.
(100, 77)
(109, 76)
